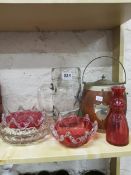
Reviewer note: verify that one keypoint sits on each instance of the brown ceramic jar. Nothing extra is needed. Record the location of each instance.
(95, 101)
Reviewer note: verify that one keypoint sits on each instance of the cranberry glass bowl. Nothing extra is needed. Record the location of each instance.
(23, 127)
(73, 131)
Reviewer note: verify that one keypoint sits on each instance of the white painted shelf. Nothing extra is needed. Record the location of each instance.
(50, 150)
(56, 15)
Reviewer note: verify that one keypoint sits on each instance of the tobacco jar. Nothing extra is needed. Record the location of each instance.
(96, 96)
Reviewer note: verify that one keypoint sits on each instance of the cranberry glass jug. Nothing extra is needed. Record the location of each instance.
(117, 132)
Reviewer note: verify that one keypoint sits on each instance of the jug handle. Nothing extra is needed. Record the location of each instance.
(39, 95)
(124, 82)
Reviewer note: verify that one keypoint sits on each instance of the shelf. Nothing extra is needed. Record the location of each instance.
(65, 1)
(56, 15)
(50, 151)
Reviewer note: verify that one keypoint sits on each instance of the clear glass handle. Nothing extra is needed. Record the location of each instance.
(45, 99)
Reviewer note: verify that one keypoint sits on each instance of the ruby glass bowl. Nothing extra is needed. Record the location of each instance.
(73, 131)
(23, 126)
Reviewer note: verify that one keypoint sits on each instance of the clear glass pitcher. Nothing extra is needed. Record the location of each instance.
(62, 94)
(66, 85)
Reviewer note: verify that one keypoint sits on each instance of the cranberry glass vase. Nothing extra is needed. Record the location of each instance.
(117, 131)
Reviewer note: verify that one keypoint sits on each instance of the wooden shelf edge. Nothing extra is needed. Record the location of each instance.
(51, 151)
(64, 1)
(60, 159)
(56, 15)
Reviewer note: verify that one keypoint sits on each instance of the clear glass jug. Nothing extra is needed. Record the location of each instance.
(66, 85)
(62, 94)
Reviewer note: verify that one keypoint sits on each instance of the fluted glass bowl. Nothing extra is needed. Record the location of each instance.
(23, 126)
(73, 131)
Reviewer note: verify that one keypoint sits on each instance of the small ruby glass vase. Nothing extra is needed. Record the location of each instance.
(117, 131)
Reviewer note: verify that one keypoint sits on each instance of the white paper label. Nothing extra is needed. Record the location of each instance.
(99, 98)
(66, 75)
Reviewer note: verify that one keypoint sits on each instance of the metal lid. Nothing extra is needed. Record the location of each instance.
(102, 82)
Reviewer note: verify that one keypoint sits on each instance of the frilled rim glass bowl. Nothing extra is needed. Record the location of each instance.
(73, 130)
(24, 126)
